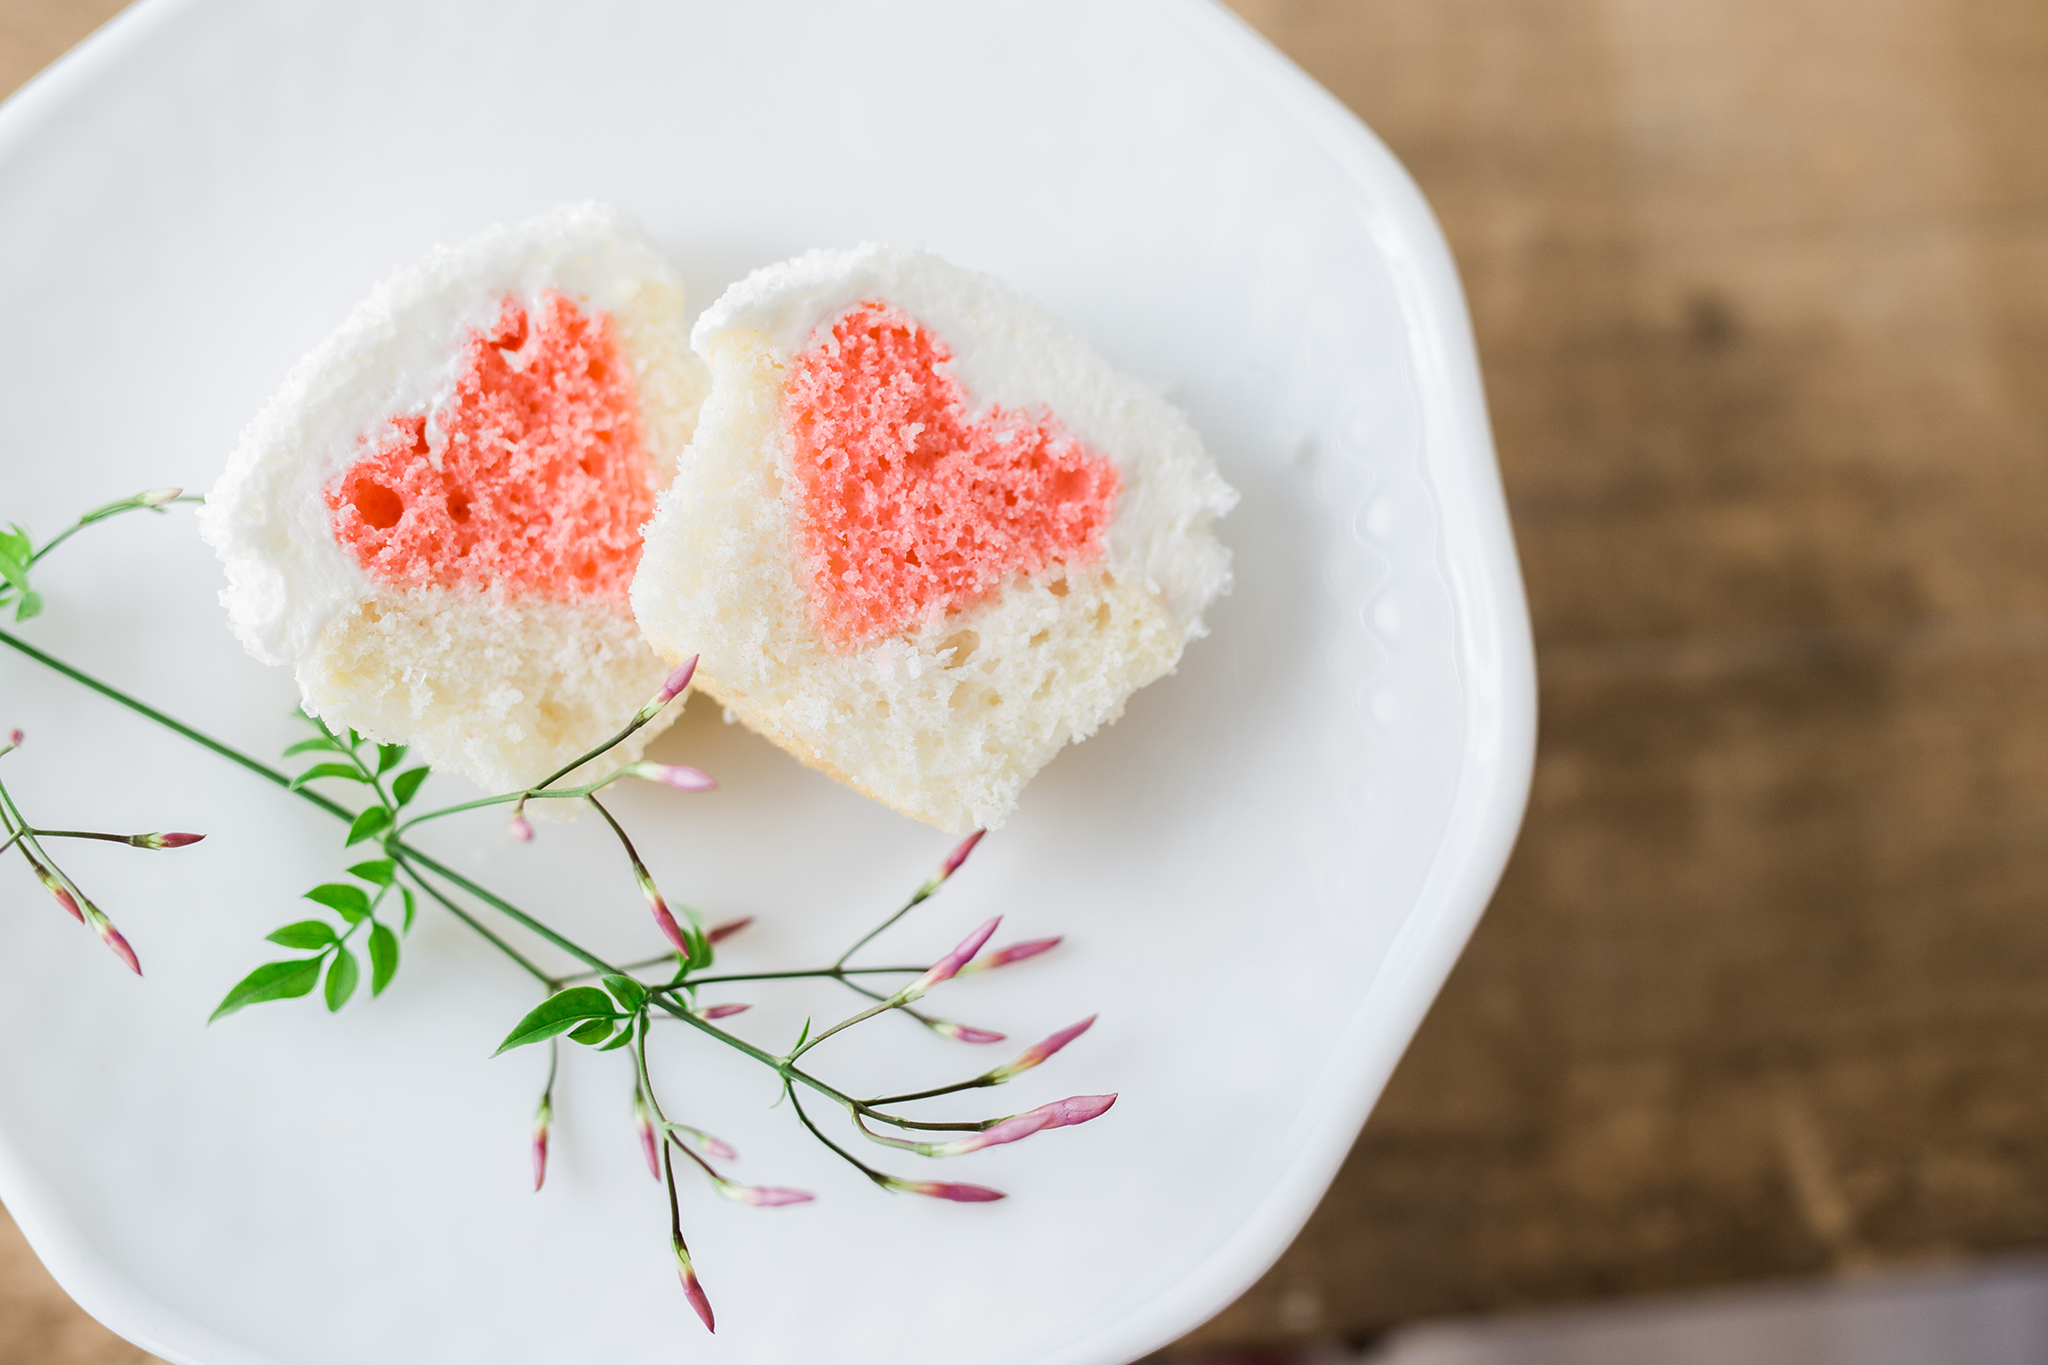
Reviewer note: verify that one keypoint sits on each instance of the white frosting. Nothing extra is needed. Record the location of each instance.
(396, 355)
(1009, 351)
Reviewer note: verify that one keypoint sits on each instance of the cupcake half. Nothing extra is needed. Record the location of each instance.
(437, 519)
(926, 536)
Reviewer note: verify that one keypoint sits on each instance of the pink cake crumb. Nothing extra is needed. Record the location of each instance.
(908, 504)
(541, 487)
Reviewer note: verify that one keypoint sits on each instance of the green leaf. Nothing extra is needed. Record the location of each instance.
(406, 892)
(341, 979)
(406, 785)
(380, 871)
(306, 746)
(383, 957)
(389, 756)
(368, 825)
(559, 1013)
(629, 993)
(320, 770)
(271, 981)
(15, 544)
(623, 1037)
(597, 1030)
(31, 605)
(14, 568)
(802, 1038)
(355, 741)
(349, 901)
(306, 934)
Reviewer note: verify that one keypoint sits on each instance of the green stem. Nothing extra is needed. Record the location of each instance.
(403, 852)
(99, 514)
(977, 1083)
(852, 1160)
(836, 973)
(204, 741)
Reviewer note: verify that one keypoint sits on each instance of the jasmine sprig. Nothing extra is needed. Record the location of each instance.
(619, 1010)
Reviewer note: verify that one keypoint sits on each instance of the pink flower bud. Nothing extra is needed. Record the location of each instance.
(664, 920)
(935, 1189)
(718, 933)
(963, 1033)
(946, 967)
(1037, 1053)
(164, 840)
(57, 889)
(763, 1196)
(1016, 952)
(157, 497)
(111, 936)
(677, 681)
(649, 1148)
(1074, 1109)
(692, 1291)
(1009, 1130)
(722, 1011)
(14, 739)
(711, 1145)
(520, 828)
(541, 1118)
(959, 854)
(681, 776)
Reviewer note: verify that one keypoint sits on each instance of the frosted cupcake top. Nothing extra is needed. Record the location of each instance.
(999, 406)
(495, 415)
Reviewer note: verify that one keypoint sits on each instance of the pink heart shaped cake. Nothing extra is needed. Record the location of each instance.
(926, 536)
(905, 500)
(436, 520)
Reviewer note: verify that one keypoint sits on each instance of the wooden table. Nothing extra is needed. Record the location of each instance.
(1761, 289)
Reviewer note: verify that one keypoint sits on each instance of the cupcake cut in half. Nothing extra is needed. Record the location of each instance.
(926, 536)
(436, 520)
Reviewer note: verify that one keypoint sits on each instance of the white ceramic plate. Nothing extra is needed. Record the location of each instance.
(1265, 869)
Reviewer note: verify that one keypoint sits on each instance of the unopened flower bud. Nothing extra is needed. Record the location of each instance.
(681, 776)
(718, 933)
(663, 919)
(938, 1189)
(520, 828)
(541, 1119)
(1074, 1109)
(111, 936)
(1016, 952)
(959, 853)
(677, 681)
(722, 1011)
(946, 967)
(962, 1033)
(692, 1291)
(1009, 1130)
(164, 840)
(1038, 1052)
(157, 497)
(14, 739)
(763, 1196)
(711, 1145)
(58, 889)
(649, 1148)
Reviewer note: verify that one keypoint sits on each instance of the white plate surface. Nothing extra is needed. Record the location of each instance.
(1265, 869)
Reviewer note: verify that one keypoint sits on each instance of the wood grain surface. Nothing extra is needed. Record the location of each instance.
(1761, 291)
